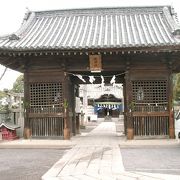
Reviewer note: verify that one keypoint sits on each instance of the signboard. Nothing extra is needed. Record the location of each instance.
(95, 63)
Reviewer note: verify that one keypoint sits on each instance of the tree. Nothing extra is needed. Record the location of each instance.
(18, 86)
(176, 88)
(2, 94)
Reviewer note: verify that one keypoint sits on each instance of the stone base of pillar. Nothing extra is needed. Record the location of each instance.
(27, 133)
(130, 133)
(171, 133)
(66, 134)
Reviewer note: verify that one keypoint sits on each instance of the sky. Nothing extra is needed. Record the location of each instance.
(12, 13)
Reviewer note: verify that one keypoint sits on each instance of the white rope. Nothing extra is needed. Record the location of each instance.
(3, 73)
(116, 75)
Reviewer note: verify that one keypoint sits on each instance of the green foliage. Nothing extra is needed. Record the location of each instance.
(2, 94)
(176, 88)
(4, 108)
(65, 104)
(18, 86)
(132, 105)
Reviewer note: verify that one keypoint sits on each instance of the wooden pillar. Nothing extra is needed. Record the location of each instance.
(78, 124)
(170, 102)
(66, 126)
(130, 130)
(27, 129)
(75, 124)
(66, 107)
(125, 108)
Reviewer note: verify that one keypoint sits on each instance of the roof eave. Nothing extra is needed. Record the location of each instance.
(163, 48)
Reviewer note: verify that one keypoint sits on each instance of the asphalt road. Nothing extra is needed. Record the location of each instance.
(152, 159)
(27, 164)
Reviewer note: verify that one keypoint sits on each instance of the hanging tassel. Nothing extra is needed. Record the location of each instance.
(113, 81)
(80, 77)
(91, 79)
(102, 82)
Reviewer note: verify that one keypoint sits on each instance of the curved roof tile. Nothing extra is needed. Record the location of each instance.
(95, 28)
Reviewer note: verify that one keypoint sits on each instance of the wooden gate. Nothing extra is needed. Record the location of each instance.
(150, 107)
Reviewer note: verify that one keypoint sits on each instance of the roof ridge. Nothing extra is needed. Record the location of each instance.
(89, 10)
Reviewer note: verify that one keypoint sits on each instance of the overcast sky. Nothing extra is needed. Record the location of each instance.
(12, 13)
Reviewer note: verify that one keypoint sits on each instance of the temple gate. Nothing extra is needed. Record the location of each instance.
(141, 43)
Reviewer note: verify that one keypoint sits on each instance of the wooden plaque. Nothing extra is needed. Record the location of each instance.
(95, 63)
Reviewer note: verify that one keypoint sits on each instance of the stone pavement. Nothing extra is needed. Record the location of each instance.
(97, 156)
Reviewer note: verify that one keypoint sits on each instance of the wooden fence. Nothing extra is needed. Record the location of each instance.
(151, 125)
(47, 127)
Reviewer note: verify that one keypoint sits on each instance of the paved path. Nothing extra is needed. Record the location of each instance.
(97, 156)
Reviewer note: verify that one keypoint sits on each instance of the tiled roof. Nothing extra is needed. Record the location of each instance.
(96, 28)
(9, 125)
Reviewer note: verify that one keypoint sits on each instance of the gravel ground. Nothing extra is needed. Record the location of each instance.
(27, 164)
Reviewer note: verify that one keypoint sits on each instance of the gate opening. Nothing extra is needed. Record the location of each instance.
(99, 103)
